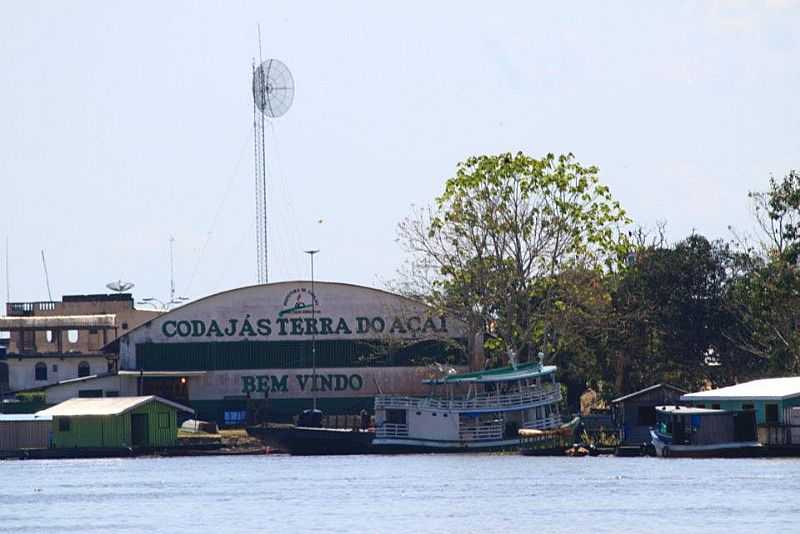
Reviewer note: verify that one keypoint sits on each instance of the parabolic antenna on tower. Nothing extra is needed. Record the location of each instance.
(273, 88)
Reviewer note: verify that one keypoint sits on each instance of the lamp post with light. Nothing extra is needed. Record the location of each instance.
(313, 333)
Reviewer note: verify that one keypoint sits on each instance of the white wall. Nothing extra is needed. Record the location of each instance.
(22, 371)
(124, 385)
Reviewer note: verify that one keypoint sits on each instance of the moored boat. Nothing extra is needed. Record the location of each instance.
(686, 432)
(470, 412)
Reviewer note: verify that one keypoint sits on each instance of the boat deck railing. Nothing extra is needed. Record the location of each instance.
(485, 401)
(391, 430)
(480, 432)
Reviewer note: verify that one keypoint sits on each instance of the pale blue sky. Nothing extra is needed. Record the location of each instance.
(124, 123)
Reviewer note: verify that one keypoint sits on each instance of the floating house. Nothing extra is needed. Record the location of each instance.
(120, 422)
(775, 401)
(24, 431)
(635, 412)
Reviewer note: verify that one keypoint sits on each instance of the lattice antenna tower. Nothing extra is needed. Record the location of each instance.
(273, 93)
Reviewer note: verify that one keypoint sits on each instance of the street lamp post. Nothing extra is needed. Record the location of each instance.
(313, 333)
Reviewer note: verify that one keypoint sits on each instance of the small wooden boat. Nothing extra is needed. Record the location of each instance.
(557, 442)
(686, 432)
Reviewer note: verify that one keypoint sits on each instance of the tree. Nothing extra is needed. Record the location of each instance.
(506, 226)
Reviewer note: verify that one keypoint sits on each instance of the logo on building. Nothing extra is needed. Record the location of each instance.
(299, 300)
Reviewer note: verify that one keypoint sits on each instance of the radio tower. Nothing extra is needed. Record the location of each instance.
(273, 92)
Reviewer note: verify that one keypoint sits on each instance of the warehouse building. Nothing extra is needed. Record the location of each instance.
(269, 343)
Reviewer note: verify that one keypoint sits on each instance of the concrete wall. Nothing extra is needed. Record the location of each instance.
(22, 370)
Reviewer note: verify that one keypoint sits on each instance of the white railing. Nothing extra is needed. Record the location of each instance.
(542, 424)
(391, 430)
(518, 399)
(480, 432)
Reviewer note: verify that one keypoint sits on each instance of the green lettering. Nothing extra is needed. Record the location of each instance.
(279, 385)
(248, 384)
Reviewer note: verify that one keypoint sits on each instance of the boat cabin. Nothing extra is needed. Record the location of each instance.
(477, 409)
(684, 425)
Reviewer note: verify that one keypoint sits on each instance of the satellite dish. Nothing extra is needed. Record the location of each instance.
(273, 88)
(119, 286)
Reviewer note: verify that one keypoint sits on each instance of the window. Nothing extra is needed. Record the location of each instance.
(72, 336)
(647, 415)
(748, 407)
(54, 368)
(49, 336)
(83, 369)
(163, 420)
(715, 406)
(93, 330)
(124, 326)
(112, 393)
(771, 413)
(90, 393)
(41, 371)
(63, 424)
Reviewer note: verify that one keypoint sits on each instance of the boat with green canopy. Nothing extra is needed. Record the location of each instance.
(469, 412)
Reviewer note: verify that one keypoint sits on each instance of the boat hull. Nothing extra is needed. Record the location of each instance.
(743, 449)
(307, 441)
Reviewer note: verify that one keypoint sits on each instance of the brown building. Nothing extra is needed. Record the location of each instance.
(53, 341)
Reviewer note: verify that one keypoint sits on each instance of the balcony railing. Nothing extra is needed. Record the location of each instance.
(28, 307)
(486, 401)
(391, 430)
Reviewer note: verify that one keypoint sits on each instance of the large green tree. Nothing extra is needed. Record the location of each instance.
(495, 242)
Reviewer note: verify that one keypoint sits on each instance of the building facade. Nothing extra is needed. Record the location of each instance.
(54, 341)
(287, 344)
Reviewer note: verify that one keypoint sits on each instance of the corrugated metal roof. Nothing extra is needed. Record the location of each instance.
(502, 374)
(647, 390)
(765, 389)
(24, 417)
(107, 320)
(105, 406)
(687, 410)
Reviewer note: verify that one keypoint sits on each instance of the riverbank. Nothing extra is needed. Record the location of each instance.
(223, 443)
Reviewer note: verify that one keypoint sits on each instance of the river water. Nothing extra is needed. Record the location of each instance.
(415, 493)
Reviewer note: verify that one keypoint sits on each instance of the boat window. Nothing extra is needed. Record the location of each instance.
(41, 371)
(396, 417)
(715, 406)
(748, 407)
(434, 414)
(771, 413)
(444, 415)
(701, 405)
(419, 413)
(83, 369)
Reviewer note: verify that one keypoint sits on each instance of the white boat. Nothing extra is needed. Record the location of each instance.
(477, 411)
(686, 432)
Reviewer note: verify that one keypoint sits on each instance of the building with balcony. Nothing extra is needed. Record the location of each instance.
(53, 341)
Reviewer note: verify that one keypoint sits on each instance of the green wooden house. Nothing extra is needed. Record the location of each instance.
(115, 422)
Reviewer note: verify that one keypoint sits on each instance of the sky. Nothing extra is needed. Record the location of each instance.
(123, 124)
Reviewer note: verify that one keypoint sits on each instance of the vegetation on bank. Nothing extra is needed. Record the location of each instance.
(538, 253)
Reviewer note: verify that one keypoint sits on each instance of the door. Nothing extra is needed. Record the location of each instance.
(139, 429)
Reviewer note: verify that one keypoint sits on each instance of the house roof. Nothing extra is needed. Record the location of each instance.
(684, 410)
(105, 406)
(764, 389)
(502, 374)
(648, 390)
